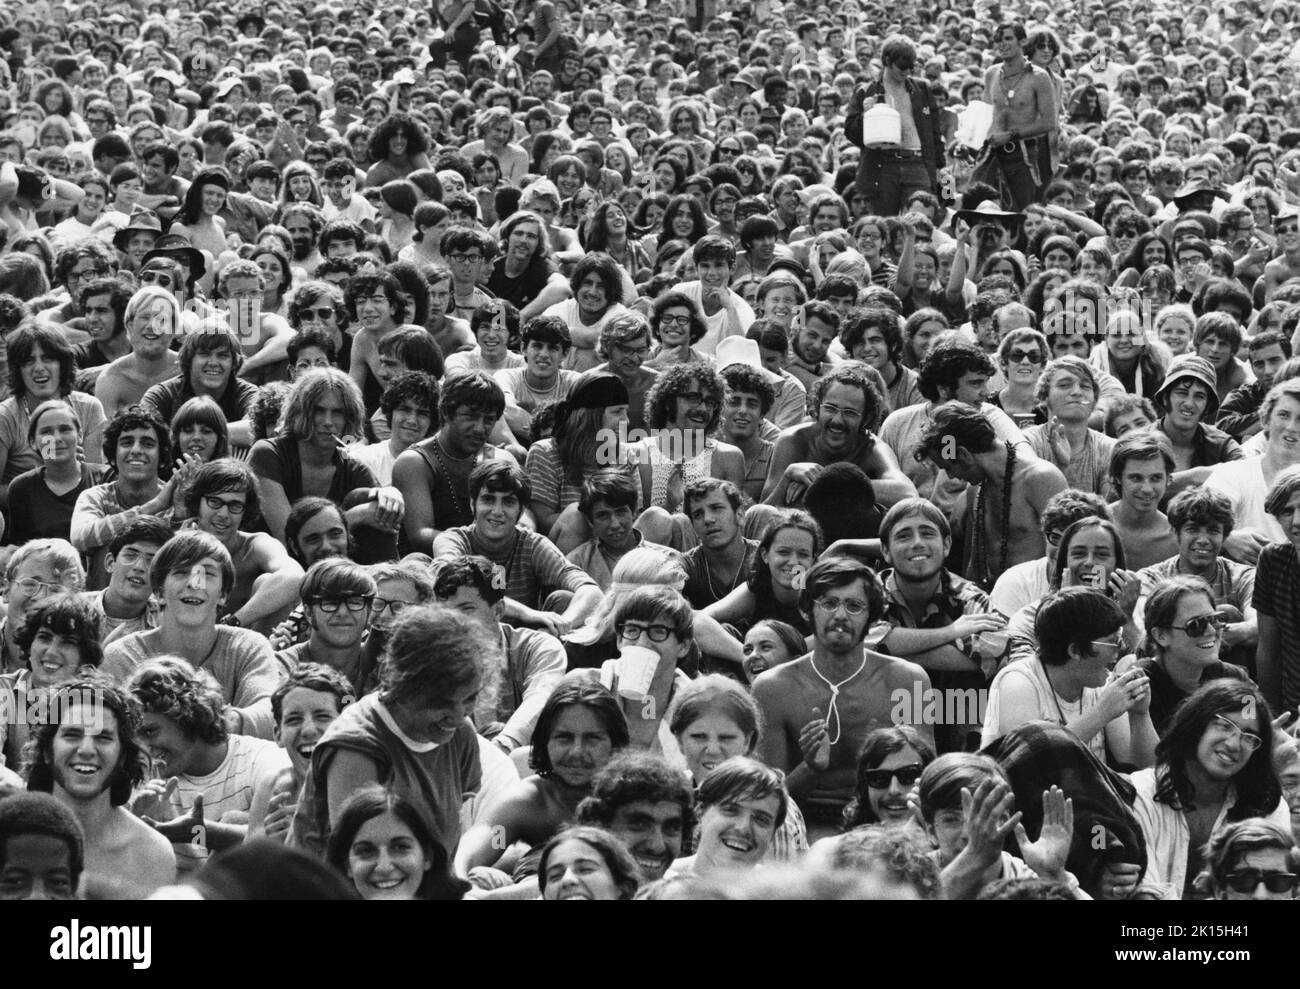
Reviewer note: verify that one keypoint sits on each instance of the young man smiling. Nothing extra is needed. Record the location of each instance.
(126, 605)
(546, 344)
(1238, 416)
(528, 564)
(1140, 468)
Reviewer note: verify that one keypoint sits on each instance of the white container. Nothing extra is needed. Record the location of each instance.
(882, 125)
(974, 123)
(636, 667)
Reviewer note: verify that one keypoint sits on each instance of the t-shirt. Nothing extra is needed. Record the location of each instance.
(167, 397)
(379, 458)
(1243, 482)
(519, 392)
(36, 512)
(472, 360)
(520, 291)
(1018, 586)
(532, 563)
(249, 763)
(240, 660)
(717, 323)
(110, 628)
(1089, 468)
(19, 456)
(97, 519)
(703, 587)
(277, 460)
(1165, 695)
(437, 777)
(585, 336)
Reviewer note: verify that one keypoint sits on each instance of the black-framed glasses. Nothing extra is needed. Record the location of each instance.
(674, 321)
(1248, 880)
(879, 779)
(217, 504)
(319, 314)
(1196, 627)
(633, 633)
(1233, 730)
(380, 605)
(465, 258)
(353, 602)
(694, 398)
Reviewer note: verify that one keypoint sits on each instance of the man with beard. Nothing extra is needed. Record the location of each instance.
(204, 771)
(1007, 492)
(578, 731)
(103, 306)
(304, 223)
(818, 709)
(534, 660)
(540, 586)
(812, 331)
(88, 758)
(724, 556)
(937, 617)
(433, 475)
(843, 406)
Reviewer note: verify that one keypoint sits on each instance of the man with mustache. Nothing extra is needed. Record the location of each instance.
(818, 709)
(88, 758)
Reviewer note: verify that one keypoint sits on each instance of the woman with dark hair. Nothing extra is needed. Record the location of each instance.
(889, 767)
(199, 220)
(669, 175)
(789, 546)
(1084, 106)
(384, 844)
(42, 366)
(609, 230)
(579, 729)
(770, 643)
(683, 220)
(397, 147)
(586, 863)
(275, 265)
(676, 324)
(1213, 766)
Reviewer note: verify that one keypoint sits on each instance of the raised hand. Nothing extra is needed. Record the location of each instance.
(1047, 855)
(815, 742)
(988, 820)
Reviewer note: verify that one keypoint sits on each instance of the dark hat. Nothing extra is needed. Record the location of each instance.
(254, 20)
(592, 390)
(140, 219)
(1198, 186)
(175, 246)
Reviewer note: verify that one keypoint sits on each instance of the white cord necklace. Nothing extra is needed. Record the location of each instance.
(833, 709)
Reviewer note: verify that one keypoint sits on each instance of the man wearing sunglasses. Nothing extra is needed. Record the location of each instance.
(818, 709)
(1251, 860)
(889, 173)
(337, 597)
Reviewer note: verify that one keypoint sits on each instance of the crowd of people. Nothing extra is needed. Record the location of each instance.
(680, 450)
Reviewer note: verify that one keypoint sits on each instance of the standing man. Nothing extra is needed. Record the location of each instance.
(888, 174)
(1017, 156)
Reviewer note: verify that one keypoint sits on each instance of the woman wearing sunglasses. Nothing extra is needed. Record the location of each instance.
(1184, 637)
(1022, 355)
(1213, 768)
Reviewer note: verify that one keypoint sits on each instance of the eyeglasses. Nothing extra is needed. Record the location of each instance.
(354, 603)
(320, 315)
(156, 278)
(381, 605)
(31, 586)
(1107, 643)
(832, 605)
(1020, 356)
(849, 415)
(674, 321)
(465, 258)
(1234, 731)
(633, 633)
(217, 504)
(130, 556)
(1248, 880)
(694, 398)
(1196, 627)
(879, 779)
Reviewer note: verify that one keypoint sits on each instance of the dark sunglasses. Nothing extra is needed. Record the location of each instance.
(1020, 356)
(879, 779)
(1248, 880)
(1197, 627)
(322, 314)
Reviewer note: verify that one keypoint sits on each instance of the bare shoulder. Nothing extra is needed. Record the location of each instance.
(1042, 480)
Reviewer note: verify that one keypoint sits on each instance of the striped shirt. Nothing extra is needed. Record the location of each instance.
(230, 787)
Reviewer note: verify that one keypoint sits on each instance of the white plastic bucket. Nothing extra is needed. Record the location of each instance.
(882, 125)
(974, 123)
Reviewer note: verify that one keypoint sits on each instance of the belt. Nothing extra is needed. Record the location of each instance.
(900, 153)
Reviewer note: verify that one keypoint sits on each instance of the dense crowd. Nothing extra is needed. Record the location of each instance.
(670, 451)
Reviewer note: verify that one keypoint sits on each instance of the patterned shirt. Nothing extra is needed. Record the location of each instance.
(1277, 594)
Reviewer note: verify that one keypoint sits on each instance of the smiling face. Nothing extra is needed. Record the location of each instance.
(192, 594)
(916, 548)
(211, 371)
(150, 329)
(496, 513)
(322, 536)
(386, 861)
(790, 556)
(1196, 651)
(1222, 752)
(171, 751)
(736, 833)
(85, 751)
(1143, 483)
(652, 832)
(577, 871)
(1091, 557)
(53, 657)
(40, 376)
(57, 436)
(436, 719)
(304, 716)
(1283, 429)
(1070, 396)
(889, 803)
(137, 456)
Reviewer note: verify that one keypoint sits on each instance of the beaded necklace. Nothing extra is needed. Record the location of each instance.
(981, 506)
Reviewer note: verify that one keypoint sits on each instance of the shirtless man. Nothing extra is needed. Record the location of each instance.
(1140, 467)
(818, 709)
(87, 757)
(264, 337)
(1017, 157)
(1282, 269)
(844, 405)
(577, 732)
(152, 320)
(1013, 488)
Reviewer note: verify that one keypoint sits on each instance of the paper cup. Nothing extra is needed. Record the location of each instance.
(636, 671)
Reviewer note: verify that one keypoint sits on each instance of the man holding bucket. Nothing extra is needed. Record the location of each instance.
(904, 155)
